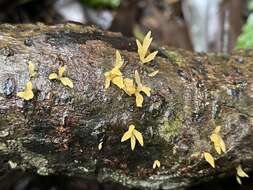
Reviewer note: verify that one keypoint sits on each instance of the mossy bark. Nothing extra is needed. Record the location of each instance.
(59, 130)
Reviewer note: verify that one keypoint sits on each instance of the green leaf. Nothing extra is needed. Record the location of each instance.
(245, 40)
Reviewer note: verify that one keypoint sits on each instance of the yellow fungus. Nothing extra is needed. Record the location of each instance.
(240, 173)
(143, 49)
(209, 158)
(238, 179)
(31, 69)
(156, 164)
(153, 73)
(64, 80)
(27, 94)
(131, 89)
(100, 145)
(133, 135)
(129, 86)
(219, 144)
(115, 75)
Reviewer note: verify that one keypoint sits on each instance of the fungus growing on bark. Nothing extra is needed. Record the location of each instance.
(27, 94)
(133, 134)
(64, 80)
(143, 49)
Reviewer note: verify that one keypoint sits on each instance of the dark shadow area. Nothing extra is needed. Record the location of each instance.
(226, 183)
(18, 180)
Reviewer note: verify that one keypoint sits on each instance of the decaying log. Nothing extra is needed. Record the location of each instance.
(59, 130)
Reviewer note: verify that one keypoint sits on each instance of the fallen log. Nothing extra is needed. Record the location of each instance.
(59, 130)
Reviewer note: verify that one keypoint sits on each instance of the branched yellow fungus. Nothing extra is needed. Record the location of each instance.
(209, 158)
(143, 49)
(131, 89)
(133, 134)
(31, 69)
(27, 94)
(115, 75)
(156, 164)
(219, 144)
(240, 173)
(64, 80)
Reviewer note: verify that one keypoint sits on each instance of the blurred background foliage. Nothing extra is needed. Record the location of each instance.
(102, 3)
(195, 25)
(245, 40)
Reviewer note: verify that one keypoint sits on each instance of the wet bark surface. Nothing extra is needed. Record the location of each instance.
(59, 130)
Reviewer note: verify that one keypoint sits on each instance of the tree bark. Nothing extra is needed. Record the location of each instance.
(59, 130)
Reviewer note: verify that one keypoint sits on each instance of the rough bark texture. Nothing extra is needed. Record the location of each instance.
(58, 131)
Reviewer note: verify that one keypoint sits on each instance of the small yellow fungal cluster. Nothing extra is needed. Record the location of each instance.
(28, 94)
(115, 75)
(156, 164)
(143, 49)
(219, 146)
(131, 89)
(240, 174)
(31, 69)
(209, 158)
(130, 86)
(218, 142)
(133, 134)
(64, 80)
